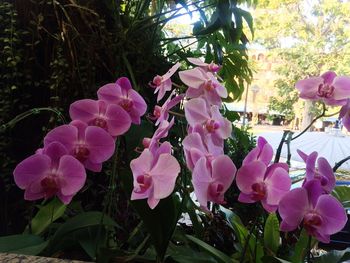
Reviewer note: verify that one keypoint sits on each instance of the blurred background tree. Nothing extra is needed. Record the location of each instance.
(307, 38)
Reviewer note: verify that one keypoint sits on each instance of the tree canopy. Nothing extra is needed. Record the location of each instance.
(306, 38)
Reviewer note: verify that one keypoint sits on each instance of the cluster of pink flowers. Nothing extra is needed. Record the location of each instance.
(212, 171)
(85, 143)
(333, 90)
(155, 171)
(311, 205)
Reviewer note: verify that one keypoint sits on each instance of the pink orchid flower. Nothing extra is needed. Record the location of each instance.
(154, 176)
(211, 67)
(162, 84)
(259, 183)
(113, 118)
(162, 113)
(324, 172)
(197, 112)
(332, 89)
(91, 145)
(344, 115)
(320, 214)
(204, 84)
(122, 94)
(211, 183)
(195, 148)
(262, 152)
(49, 173)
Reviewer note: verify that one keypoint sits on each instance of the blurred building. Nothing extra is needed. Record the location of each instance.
(256, 97)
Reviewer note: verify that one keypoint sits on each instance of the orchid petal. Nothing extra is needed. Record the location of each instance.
(31, 169)
(333, 214)
(293, 206)
(164, 175)
(73, 174)
(250, 174)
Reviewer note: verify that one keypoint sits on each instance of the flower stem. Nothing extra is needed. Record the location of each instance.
(309, 250)
(279, 149)
(340, 163)
(176, 114)
(312, 122)
(28, 113)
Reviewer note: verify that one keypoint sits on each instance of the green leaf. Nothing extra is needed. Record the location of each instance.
(212, 250)
(248, 18)
(342, 193)
(22, 244)
(272, 233)
(88, 241)
(81, 221)
(231, 115)
(225, 14)
(186, 254)
(160, 221)
(215, 24)
(270, 259)
(334, 256)
(245, 236)
(300, 249)
(32, 250)
(46, 215)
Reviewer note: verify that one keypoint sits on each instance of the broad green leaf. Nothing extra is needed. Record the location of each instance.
(248, 18)
(32, 250)
(300, 249)
(87, 238)
(26, 244)
(334, 256)
(212, 250)
(186, 254)
(46, 215)
(270, 259)
(272, 233)
(342, 193)
(245, 236)
(225, 14)
(160, 221)
(231, 115)
(81, 221)
(214, 25)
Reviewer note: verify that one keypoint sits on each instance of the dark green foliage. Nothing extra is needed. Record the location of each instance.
(56, 52)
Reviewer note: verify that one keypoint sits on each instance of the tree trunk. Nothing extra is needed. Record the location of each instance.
(307, 115)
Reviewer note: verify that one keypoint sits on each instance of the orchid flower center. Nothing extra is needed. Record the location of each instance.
(213, 67)
(209, 157)
(216, 189)
(323, 179)
(209, 85)
(126, 104)
(212, 125)
(157, 80)
(146, 142)
(81, 152)
(312, 221)
(100, 122)
(144, 182)
(259, 191)
(325, 90)
(50, 184)
(157, 111)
